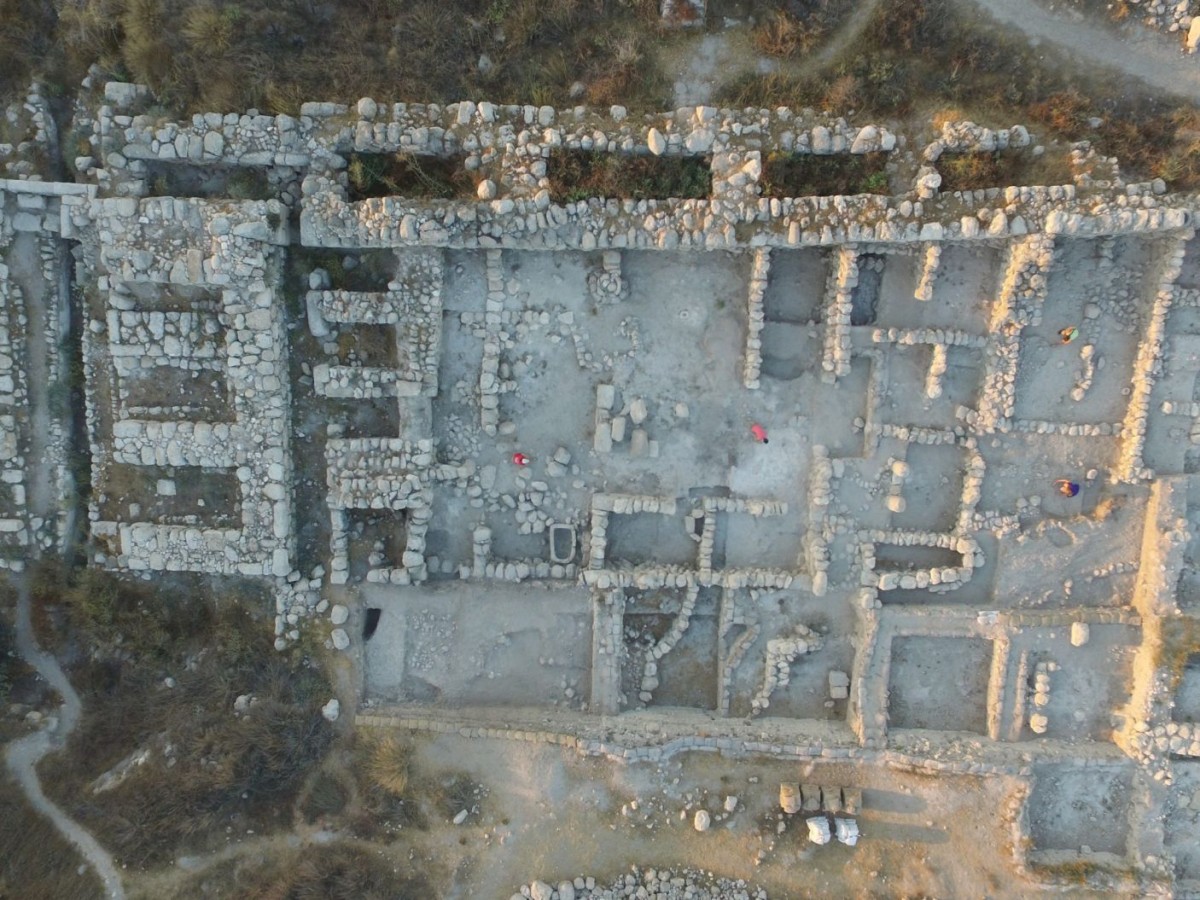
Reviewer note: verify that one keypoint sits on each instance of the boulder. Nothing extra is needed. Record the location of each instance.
(656, 142)
(789, 797)
(818, 830)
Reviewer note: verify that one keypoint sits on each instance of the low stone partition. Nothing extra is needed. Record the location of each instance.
(835, 360)
(752, 362)
(890, 580)
(1147, 366)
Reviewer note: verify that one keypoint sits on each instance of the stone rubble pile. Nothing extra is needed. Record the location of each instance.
(1038, 721)
(662, 884)
(835, 360)
(607, 285)
(760, 272)
(967, 137)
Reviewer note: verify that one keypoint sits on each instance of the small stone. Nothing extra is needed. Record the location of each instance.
(331, 710)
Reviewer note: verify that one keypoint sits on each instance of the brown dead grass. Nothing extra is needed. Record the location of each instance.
(346, 870)
(917, 58)
(274, 54)
(26, 36)
(973, 171)
(35, 861)
(208, 768)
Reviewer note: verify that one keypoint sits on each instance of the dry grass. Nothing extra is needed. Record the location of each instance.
(1179, 640)
(26, 35)
(387, 766)
(917, 57)
(274, 54)
(208, 768)
(347, 870)
(408, 175)
(796, 28)
(809, 175)
(783, 35)
(973, 171)
(35, 861)
(579, 174)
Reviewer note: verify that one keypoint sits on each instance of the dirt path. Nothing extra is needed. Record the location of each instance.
(700, 66)
(23, 756)
(1143, 54)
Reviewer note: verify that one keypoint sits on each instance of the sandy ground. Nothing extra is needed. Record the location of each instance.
(551, 815)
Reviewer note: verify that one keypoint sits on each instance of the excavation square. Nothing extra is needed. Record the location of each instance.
(796, 288)
(367, 346)
(377, 539)
(790, 350)
(939, 683)
(171, 393)
(1181, 822)
(516, 645)
(1092, 560)
(1187, 696)
(966, 281)
(932, 490)
(367, 271)
(180, 495)
(650, 539)
(886, 280)
(1090, 682)
(687, 673)
(1071, 807)
(362, 417)
(806, 695)
(914, 396)
(761, 542)
(1024, 465)
(175, 179)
